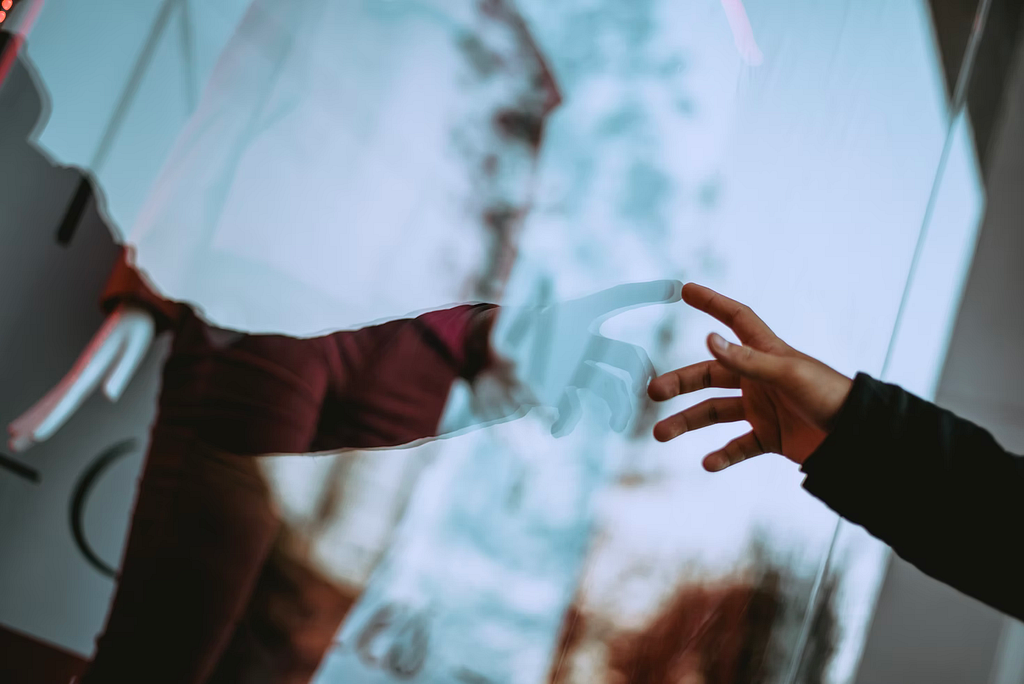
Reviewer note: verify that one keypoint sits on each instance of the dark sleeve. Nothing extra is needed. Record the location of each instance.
(938, 489)
(126, 285)
(463, 333)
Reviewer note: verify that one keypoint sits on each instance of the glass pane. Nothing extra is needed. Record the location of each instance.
(306, 167)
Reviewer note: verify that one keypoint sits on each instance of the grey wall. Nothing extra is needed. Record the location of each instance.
(50, 589)
(49, 311)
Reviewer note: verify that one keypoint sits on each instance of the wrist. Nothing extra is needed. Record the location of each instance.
(479, 352)
(837, 394)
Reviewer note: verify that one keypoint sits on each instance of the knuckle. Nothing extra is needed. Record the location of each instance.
(768, 342)
(798, 372)
(748, 354)
(736, 452)
(758, 445)
(680, 382)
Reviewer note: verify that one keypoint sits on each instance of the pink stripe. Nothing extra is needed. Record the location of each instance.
(742, 33)
(11, 53)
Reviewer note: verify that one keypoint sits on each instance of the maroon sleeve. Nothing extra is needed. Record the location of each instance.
(464, 332)
(127, 286)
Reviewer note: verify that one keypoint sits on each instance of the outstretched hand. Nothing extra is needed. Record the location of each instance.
(546, 354)
(790, 399)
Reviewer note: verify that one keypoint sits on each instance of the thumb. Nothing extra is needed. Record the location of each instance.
(746, 361)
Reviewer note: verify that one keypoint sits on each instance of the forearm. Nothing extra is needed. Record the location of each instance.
(935, 487)
(414, 365)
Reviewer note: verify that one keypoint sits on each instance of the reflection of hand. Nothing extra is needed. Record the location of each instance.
(111, 359)
(554, 351)
(790, 399)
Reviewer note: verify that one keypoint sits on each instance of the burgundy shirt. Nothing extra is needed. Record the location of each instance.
(383, 385)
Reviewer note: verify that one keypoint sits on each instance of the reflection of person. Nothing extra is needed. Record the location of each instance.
(209, 589)
(210, 585)
(935, 487)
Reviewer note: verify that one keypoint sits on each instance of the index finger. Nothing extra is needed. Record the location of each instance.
(620, 298)
(739, 317)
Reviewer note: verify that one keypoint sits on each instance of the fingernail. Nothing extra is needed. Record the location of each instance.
(655, 392)
(719, 343)
(715, 463)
